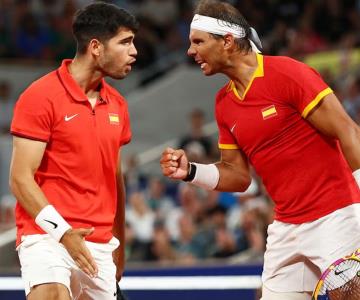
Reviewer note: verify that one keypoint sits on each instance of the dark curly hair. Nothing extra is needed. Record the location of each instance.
(101, 21)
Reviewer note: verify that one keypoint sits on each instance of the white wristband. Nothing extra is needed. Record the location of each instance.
(206, 176)
(52, 222)
(356, 175)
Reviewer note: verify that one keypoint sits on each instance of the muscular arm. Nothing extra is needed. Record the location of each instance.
(234, 171)
(119, 223)
(26, 158)
(330, 118)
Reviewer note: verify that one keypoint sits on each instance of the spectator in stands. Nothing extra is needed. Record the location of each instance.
(140, 217)
(234, 215)
(135, 180)
(161, 247)
(224, 243)
(195, 242)
(190, 199)
(135, 249)
(251, 234)
(156, 197)
(195, 143)
(186, 252)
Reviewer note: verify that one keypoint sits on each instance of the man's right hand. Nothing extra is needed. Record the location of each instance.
(174, 163)
(74, 242)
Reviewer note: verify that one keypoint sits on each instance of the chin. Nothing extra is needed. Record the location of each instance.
(208, 73)
(117, 76)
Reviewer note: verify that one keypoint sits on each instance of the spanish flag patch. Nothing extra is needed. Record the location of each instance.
(114, 119)
(269, 112)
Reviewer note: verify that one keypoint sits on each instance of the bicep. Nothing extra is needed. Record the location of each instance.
(330, 118)
(27, 155)
(234, 157)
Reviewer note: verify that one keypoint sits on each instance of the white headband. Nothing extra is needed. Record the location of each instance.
(221, 27)
(216, 26)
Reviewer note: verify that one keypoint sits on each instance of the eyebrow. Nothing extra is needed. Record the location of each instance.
(127, 39)
(196, 40)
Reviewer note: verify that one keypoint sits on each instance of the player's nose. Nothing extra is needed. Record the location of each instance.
(191, 51)
(133, 50)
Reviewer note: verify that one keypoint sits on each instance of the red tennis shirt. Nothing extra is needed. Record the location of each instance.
(303, 170)
(78, 171)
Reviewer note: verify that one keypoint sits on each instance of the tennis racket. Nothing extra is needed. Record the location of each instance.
(341, 280)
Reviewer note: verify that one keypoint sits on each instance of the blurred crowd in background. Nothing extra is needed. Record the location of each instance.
(41, 29)
(169, 222)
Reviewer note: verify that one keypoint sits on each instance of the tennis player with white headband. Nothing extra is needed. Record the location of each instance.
(278, 115)
(215, 26)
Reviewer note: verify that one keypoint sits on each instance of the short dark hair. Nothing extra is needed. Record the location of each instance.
(100, 21)
(228, 13)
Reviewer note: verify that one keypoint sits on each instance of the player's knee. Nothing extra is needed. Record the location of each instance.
(271, 295)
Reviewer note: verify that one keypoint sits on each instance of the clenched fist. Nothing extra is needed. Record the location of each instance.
(174, 163)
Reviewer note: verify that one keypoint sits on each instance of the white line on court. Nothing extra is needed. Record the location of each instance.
(167, 283)
(7, 236)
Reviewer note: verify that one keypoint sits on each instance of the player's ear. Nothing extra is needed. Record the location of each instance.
(228, 41)
(95, 47)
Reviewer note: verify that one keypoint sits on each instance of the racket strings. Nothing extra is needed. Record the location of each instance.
(343, 281)
(350, 291)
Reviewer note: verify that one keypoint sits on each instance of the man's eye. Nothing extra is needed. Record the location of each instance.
(126, 42)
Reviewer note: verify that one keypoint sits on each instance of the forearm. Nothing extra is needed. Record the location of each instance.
(232, 178)
(28, 193)
(33, 200)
